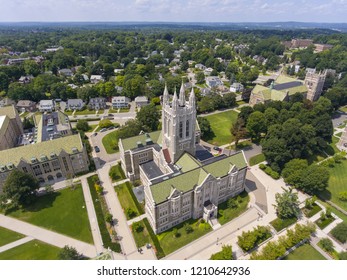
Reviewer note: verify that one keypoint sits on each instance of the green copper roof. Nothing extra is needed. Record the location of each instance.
(187, 162)
(222, 167)
(9, 111)
(183, 183)
(37, 150)
(194, 177)
(131, 143)
(281, 79)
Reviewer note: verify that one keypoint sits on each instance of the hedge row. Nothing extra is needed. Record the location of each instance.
(100, 214)
(138, 205)
(268, 170)
(159, 251)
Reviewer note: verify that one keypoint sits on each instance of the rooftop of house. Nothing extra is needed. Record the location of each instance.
(23, 103)
(141, 99)
(41, 151)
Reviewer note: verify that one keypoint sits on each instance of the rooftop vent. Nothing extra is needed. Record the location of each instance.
(43, 158)
(74, 150)
(53, 155)
(139, 144)
(33, 160)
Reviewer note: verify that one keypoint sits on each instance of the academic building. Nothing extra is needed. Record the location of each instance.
(182, 180)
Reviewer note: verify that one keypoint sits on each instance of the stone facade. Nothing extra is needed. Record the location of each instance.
(10, 127)
(314, 83)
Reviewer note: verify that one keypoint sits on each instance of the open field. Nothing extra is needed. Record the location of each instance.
(305, 252)
(8, 236)
(220, 125)
(63, 211)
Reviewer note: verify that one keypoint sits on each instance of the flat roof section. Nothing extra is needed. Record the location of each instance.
(151, 169)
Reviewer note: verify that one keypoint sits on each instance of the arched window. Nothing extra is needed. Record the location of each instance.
(50, 178)
(181, 130)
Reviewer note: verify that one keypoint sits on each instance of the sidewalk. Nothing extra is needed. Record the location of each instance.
(47, 236)
(15, 243)
(92, 217)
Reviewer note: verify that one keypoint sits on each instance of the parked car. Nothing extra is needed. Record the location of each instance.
(95, 133)
(97, 149)
(103, 130)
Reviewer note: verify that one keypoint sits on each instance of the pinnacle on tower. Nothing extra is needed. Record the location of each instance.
(192, 98)
(182, 95)
(175, 100)
(165, 95)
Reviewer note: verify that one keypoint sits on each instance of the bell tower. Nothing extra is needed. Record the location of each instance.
(178, 124)
(314, 83)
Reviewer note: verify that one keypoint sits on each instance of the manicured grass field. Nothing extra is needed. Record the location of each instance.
(116, 173)
(85, 112)
(127, 201)
(324, 223)
(63, 212)
(305, 252)
(256, 159)
(8, 236)
(337, 184)
(280, 224)
(170, 243)
(220, 125)
(311, 212)
(226, 214)
(32, 250)
(143, 237)
(110, 141)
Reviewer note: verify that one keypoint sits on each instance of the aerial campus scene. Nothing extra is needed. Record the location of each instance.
(186, 130)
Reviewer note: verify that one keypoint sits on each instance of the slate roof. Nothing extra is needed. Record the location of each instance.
(37, 150)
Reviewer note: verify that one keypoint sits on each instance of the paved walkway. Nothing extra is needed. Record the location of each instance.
(16, 243)
(120, 182)
(92, 217)
(127, 242)
(47, 236)
(137, 219)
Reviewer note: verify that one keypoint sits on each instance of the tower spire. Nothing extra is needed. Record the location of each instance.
(175, 100)
(192, 98)
(182, 95)
(165, 95)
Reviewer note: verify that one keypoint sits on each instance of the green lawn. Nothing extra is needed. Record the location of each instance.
(343, 109)
(85, 112)
(337, 184)
(311, 212)
(322, 224)
(92, 127)
(170, 243)
(33, 250)
(113, 111)
(116, 173)
(101, 111)
(305, 252)
(69, 113)
(143, 237)
(256, 159)
(226, 214)
(127, 200)
(220, 125)
(110, 142)
(338, 134)
(124, 110)
(8, 236)
(63, 211)
(280, 224)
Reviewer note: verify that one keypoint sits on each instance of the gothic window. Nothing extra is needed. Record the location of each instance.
(187, 128)
(46, 167)
(37, 170)
(181, 130)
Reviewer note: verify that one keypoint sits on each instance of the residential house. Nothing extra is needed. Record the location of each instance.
(236, 87)
(65, 72)
(74, 104)
(94, 79)
(97, 103)
(141, 101)
(46, 106)
(120, 102)
(26, 106)
(213, 81)
(200, 66)
(25, 79)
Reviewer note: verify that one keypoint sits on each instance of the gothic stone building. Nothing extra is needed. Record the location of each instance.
(181, 179)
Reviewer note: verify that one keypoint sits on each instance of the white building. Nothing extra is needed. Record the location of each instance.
(236, 87)
(94, 79)
(213, 81)
(141, 101)
(120, 102)
(46, 105)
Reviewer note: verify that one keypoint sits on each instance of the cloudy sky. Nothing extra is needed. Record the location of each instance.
(174, 10)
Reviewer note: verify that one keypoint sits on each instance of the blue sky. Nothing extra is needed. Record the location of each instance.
(174, 10)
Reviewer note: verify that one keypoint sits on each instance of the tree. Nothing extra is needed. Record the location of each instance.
(109, 218)
(225, 254)
(327, 244)
(69, 253)
(200, 78)
(256, 124)
(31, 67)
(238, 130)
(229, 99)
(205, 127)
(292, 172)
(82, 125)
(105, 123)
(314, 179)
(137, 227)
(19, 190)
(287, 204)
(340, 232)
(148, 117)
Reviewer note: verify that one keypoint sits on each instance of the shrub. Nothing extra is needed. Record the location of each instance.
(159, 250)
(322, 216)
(130, 213)
(188, 228)
(250, 239)
(343, 256)
(137, 226)
(175, 232)
(340, 232)
(275, 175)
(109, 218)
(328, 212)
(343, 196)
(232, 203)
(262, 166)
(327, 244)
(99, 189)
(225, 254)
